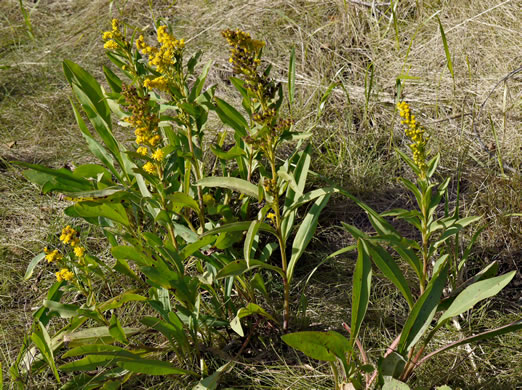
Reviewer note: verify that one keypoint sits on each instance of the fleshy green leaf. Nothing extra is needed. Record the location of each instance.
(475, 293)
(231, 183)
(305, 233)
(362, 279)
(253, 229)
(34, 262)
(43, 342)
(324, 346)
(249, 310)
(230, 116)
(112, 211)
(423, 311)
(116, 330)
(389, 268)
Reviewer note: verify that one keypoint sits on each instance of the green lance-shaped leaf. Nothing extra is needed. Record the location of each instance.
(61, 179)
(112, 79)
(98, 195)
(64, 310)
(151, 367)
(93, 100)
(130, 253)
(394, 384)
(41, 339)
(392, 365)
(432, 165)
(423, 311)
(113, 211)
(249, 310)
(389, 268)
(230, 116)
(305, 233)
(239, 267)
(362, 279)
(253, 229)
(34, 262)
(93, 95)
(233, 152)
(238, 227)
(120, 300)
(488, 272)
(98, 357)
(308, 197)
(324, 99)
(475, 293)
(184, 200)
(231, 183)
(94, 146)
(300, 174)
(172, 332)
(324, 346)
(94, 103)
(192, 248)
(211, 382)
(200, 82)
(408, 161)
(116, 330)
(95, 335)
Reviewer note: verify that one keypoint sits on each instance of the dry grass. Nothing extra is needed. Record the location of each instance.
(335, 41)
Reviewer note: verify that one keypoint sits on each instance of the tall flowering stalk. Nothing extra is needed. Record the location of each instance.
(266, 131)
(437, 298)
(415, 132)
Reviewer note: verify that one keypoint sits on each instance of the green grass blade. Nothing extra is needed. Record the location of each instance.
(446, 49)
(291, 78)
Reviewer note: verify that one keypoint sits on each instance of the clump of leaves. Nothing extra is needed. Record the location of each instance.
(441, 293)
(193, 240)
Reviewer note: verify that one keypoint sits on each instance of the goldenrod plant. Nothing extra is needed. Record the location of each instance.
(438, 294)
(193, 227)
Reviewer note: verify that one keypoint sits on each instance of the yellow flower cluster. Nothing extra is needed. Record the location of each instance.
(245, 56)
(142, 150)
(158, 155)
(64, 274)
(149, 168)
(416, 133)
(116, 34)
(142, 119)
(169, 53)
(69, 236)
(160, 83)
(244, 51)
(52, 255)
(79, 251)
